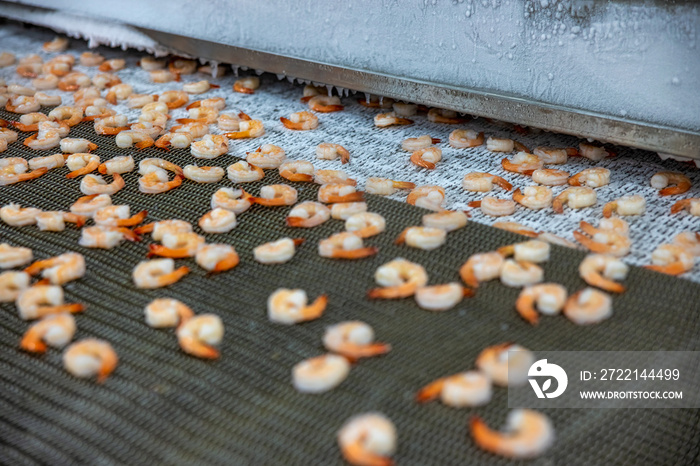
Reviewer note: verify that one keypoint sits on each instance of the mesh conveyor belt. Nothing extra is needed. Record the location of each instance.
(161, 405)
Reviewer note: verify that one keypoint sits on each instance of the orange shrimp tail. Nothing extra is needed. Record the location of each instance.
(468, 292)
(289, 124)
(296, 222)
(274, 202)
(525, 307)
(403, 121)
(227, 263)
(352, 197)
(162, 251)
(304, 100)
(356, 454)
(38, 266)
(296, 176)
(33, 174)
(133, 220)
(435, 140)
(431, 391)
(503, 183)
(675, 268)
(79, 220)
(111, 97)
(521, 147)
(143, 144)
(193, 120)
(417, 160)
(214, 86)
(6, 123)
(603, 283)
(147, 228)
(558, 204)
(129, 235)
(31, 343)
(242, 89)
(680, 205)
(106, 369)
(609, 208)
(73, 308)
(298, 241)
(327, 108)
(483, 436)
(521, 129)
(518, 195)
(42, 282)
(678, 189)
(199, 349)
(466, 273)
(22, 127)
(587, 228)
(29, 140)
(83, 171)
(195, 104)
(507, 251)
(392, 292)
(359, 253)
(175, 275)
(589, 244)
(572, 152)
(354, 352)
(474, 204)
(575, 180)
(315, 310)
(244, 116)
(402, 236)
(163, 142)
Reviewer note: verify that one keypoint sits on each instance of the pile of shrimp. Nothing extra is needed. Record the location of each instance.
(175, 119)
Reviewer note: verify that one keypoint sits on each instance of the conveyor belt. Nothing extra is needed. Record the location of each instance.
(163, 406)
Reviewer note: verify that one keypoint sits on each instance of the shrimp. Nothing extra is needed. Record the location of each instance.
(174, 99)
(164, 227)
(418, 143)
(602, 270)
(325, 104)
(163, 76)
(198, 87)
(529, 434)
(47, 100)
(77, 145)
(235, 200)
(219, 103)
(209, 147)
(88, 205)
(422, 237)
(688, 240)
(289, 307)
(81, 163)
(588, 306)
(671, 259)
(550, 177)
(558, 240)
(465, 138)
(203, 174)
(447, 220)
(553, 155)
(507, 364)
(300, 121)
(515, 227)
(21, 90)
(157, 273)
(218, 221)
(592, 152)
(441, 115)
(373, 101)
(180, 66)
(247, 129)
(22, 104)
(626, 205)
(61, 269)
(344, 245)
(368, 440)
(17, 216)
(118, 92)
(297, 170)
(74, 81)
(41, 300)
(227, 122)
(494, 207)
(105, 237)
(353, 340)
(149, 63)
(217, 258)
(276, 195)
(95, 184)
(523, 163)
(591, 177)
(167, 312)
(118, 216)
(121, 164)
(384, 120)
(111, 125)
(483, 182)
(140, 100)
(399, 279)
(333, 177)
(96, 112)
(246, 85)
(159, 107)
(155, 118)
(500, 144)
(27, 122)
(55, 221)
(277, 252)
(43, 140)
(661, 181)
(516, 274)
(105, 80)
(328, 151)
(29, 70)
(533, 197)
(577, 197)
(46, 82)
(15, 171)
(547, 298)
(138, 139)
(58, 44)
(90, 356)
(7, 59)
(177, 245)
(308, 215)
(56, 330)
(335, 192)
(427, 158)
(365, 224)
(14, 256)
(481, 268)
(12, 283)
(441, 297)
(429, 197)
(320, 374)
(603, 241)
(466, 389)
(529, 251)
(91, 59)
(692, 205)
(176, 140)
(157, 182)
(153, 164)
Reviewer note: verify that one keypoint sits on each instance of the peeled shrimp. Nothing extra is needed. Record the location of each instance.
(466, 389)
(247, 129)
(325, 104)
(429, 197)
(592, 152)
(427, 158)
(365, 224)
(88, 205)
(368, 440)
(692, 205)
(626, 205)
(120, 164)
(217, 258)
(661, 181)
(494, 207)
(60, 269)
(89, 357)
(14, 256)
(320, 374)
(447, 220)
(157, 273)
(199, 335)
(235, 200)
(671, 259)
(58, 44)
(218, 221)
(385, 187)
(522, 162)
(354, 340)
(328, 151)
(547, 298)
(209, 147)
(243, 172)
(111, 125)
(297, 170)
(56, 330)
(91, 59)
(552, 155)
(203, 174)
(483, 182)
(603, 241)
(166, 312)
(399, 279)
(344, 210)
(138, 139)
(507, 364)
(56, 220)
(576, 197)
(516, 274)
(499, 144)
(267, 156)
(421, 142)
(14, 170)
(158, 230)
(481, 268)
(289, 307)
(333, 177)
(158, 182)
(300, 121)
(602, 270)
(550, 177)
(22, 104)
(246, 85)
(384, 120)
(277, 252)
(441, 297)
(41, 300)
(308, 215)
(95, 184)
(425, 238)
(81, 163)
(276, 195)
(588, 306)
(464, 138)
(528, 251)
(105, 237)
(17, 216)
(198, 87)
(228, 122)
(12, 284)
(688, 240)
(528, 434)
(335, 192)
(177, 245)
(533, 197)
(591, 177)
(344, 246)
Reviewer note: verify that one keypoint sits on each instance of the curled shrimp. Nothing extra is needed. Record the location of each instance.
(421, 142)
(384, 120)
(140, 100)
(427, 158)
(325, 104)
(41, 300)
(602, 241)
(58, 44)
(46, 82)
(11, 256)
(547, 298)
(56, 330)
(550, 177)
(77, 145)
(365, 224)
(554, 155)
(465, 138)
(227, 122)
(441, 115)
(447, 220)
(243, 172)
(320, 374)
(500, 144)
(154, 164)
(138, 139)
(198, 87)
(121, 164)
(481, 268)
(276, 195)
(626, 205)
(533, 197)
(507, 364)
(576, 197)
(16, 172)
(277, 252)
(399, 279)
(91, 59)
(176, 140)
(518, 228)
(662, 180)
(333, 177)
(27, 122)
(105, 80)
(218, 221)
(529, 434)
(163, 76)
(247, 129)
(81, 163)
(268, 156)
(209, 147)
(43, 140)
(48, 100)
(17, 216)
(441, 297)
(385, 187)
(671, 259)
(522, 162)
(591, 177)
(95, 184)
(174, 99)
(592, 152)
(429, 197)
(12, 284)
(111, 125)
(177, 245)
(22, 104)
(368, 440)
(529, 251)
(289, 307)
(328, 151)
(588, 306)
(692, 205)
(354, 340)
(203, 174)
(88, 205)
(300, 121)
(235, 200)
(60, 269)
(157, 182)
(246, 85)
(466, 389)
(105, 237)
(483, 182)
(345, 245)
(56, 220)
(149, 63)
(217, 258)
(602, 270)
(335, 192)
(688, 240)
(297, 170)
(494, 207)
(157, 273)
(516, 274)
(425, 238)
(308, 215)
(180, 66)
(166, 312)
(89, 357)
